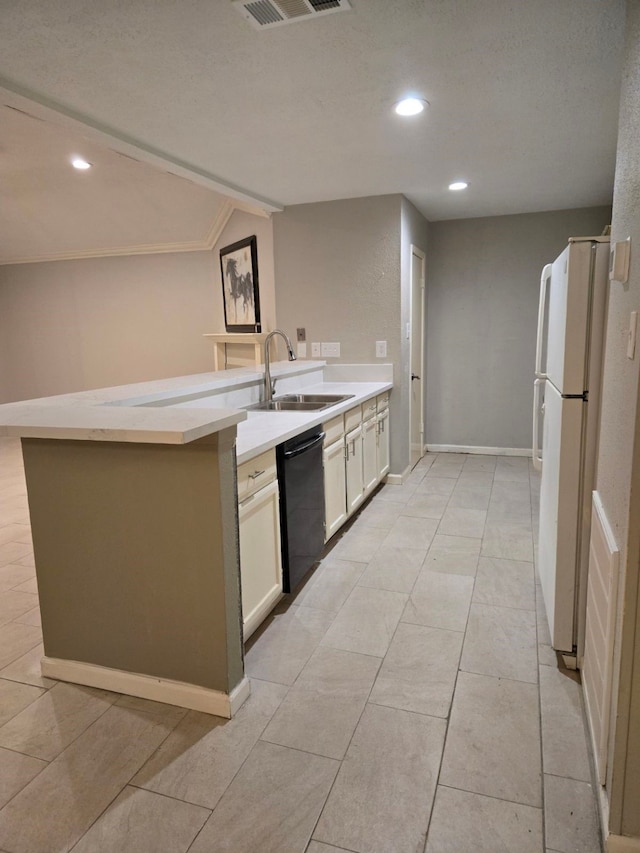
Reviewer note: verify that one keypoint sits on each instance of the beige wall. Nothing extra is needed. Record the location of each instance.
(89, 323)
(482, 301)
(75, 325)
(618, 479)
(243, 225)
(339, 276)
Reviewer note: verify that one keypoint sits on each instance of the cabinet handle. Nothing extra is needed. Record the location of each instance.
(346, 452)
(256, 474)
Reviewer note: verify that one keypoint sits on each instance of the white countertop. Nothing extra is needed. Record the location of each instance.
(263, 430)
(184, 408)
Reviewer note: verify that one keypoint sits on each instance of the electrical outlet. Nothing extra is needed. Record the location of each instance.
(302, 334)
(315, 350)
(302, 350)
(381, 349)
(331, 350)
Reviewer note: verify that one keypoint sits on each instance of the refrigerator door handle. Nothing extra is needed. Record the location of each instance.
(544, 279)
(537, 450)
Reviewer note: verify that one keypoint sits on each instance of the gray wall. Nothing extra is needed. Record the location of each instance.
(618, 478)
(75, 325)
(482, 300)
(338, 274)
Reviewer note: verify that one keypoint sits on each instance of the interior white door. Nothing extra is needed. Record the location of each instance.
(560, 511)
(417, 382)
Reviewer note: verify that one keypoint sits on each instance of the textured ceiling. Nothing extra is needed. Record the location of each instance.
(523, 94)
(50, 210)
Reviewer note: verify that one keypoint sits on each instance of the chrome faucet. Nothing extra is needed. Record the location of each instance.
(269, 386)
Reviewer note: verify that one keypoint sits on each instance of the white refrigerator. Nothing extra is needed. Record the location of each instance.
(566, 408)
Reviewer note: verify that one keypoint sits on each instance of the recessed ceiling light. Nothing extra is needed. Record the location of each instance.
(458, 185)
(410, 106)
(80, 163)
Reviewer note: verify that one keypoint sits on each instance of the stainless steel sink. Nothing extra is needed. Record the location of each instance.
(286, 406)
(300, 403)
(329, 399)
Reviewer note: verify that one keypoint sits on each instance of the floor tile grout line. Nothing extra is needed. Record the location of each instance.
(163, 794)
(499, 677)
(364, 707)
(542, 791)
(61, 753)
(492, 797)
(448, 719)
(505, 606)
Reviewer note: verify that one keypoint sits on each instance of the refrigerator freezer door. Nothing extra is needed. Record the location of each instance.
(560, 512)
(568, 309)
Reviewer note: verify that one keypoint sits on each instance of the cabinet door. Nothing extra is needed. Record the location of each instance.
(260, 560)
(383, 443)
(369, 455)
(353, 465)
(335, 501)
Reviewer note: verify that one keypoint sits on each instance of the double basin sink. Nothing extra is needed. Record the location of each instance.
(299, 403)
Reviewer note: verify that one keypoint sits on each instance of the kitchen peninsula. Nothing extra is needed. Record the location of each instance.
(133, 505)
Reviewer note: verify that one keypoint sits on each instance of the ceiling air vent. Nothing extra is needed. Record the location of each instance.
(274, 13)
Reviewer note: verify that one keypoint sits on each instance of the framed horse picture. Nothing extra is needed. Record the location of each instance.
(239, 267)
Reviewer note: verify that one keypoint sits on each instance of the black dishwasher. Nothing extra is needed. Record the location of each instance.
(301, 481)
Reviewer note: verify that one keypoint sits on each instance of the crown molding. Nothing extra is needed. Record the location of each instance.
(214, 233)
(121, 251)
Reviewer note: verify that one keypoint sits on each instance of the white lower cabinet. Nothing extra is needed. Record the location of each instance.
(382, 440)
(335, 506)
(353, 466)
(369, 456)
(354, 463)
(260, 560)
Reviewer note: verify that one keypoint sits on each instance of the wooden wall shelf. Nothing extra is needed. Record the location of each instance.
(242, 349)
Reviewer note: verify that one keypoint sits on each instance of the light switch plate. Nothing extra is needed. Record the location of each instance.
(302, 350)
(331, 350)
(381, 349)
(315, 350)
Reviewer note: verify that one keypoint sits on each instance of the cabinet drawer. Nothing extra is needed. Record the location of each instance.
(353, 418)
(369, 409)
(333, 429)
(383, 401)
(256, 473)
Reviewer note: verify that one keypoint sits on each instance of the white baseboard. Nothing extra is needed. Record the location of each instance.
(622, 844)
(179, 693)
(485, 451)
(398, 479)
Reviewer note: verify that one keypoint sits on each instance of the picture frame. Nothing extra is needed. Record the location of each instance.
(240, 293)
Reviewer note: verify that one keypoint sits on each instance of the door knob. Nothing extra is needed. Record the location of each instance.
(414, 376)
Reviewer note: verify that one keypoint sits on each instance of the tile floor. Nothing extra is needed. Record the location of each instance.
(405, 701)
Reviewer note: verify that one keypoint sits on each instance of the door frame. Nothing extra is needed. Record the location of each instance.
(421, 256)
